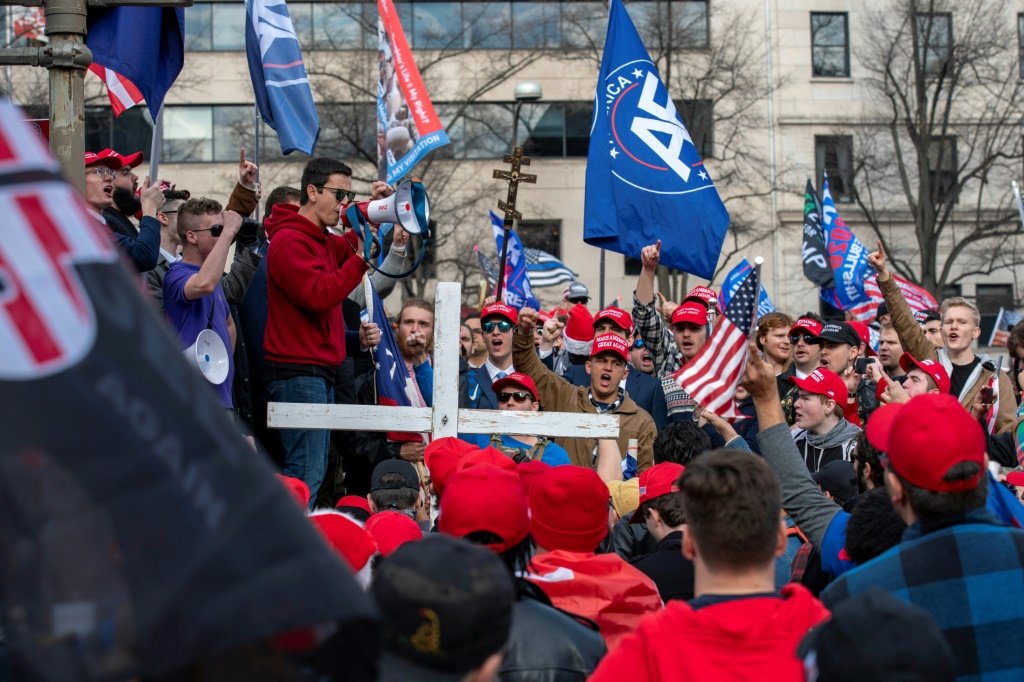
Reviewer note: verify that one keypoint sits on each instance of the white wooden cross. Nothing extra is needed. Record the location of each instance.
(444, 418)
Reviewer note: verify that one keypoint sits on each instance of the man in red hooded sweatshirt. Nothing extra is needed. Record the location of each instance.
(310, 271)
(738, 626)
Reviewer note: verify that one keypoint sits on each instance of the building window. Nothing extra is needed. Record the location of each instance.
(989, 299)
(934, 41)
(671, 25)
(128, 133)
(537, 25)
(830, 45)
(544, 235)
(834, 154)
(698, 117)
(942, 169)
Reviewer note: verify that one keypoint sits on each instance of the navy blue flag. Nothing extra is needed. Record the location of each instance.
(146, 45)
(279, 77)
(735, 279)
(848, 258)
(391, 374)
(517, 292)
(813, 251)
(645, 179)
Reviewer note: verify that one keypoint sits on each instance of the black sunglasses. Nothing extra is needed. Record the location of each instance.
(342, 195)
(639, 343)
(519, 396)
(808, 339)
(503, 325)
(214, 230)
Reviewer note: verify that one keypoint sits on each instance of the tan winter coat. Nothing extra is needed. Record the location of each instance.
(558, 395)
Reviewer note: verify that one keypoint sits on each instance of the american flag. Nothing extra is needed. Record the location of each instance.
(712, 376)
(542, 269)
(917, 298)
(122, 92)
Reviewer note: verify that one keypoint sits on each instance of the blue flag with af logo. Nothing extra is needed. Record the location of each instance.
(645, 179)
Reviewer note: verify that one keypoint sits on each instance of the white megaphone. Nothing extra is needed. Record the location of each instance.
(408, 207)
(210, 355)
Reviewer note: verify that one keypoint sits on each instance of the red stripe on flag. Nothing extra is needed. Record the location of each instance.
(49, 236)
(33, 331)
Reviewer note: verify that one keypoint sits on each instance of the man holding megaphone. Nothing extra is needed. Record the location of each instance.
(193, 298)
(310, 271)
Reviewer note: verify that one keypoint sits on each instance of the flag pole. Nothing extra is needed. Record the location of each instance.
(601, 286)
(256, 153)
(155, 147)
(1016, 196)
(758, 262)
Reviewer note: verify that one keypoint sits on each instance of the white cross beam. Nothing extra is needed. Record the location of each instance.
(444, 418)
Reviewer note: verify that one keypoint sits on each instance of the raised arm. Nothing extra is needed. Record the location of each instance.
(556, 394)
(801, 497)
(912, 338)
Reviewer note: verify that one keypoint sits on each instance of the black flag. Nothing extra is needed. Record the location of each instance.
(815, 255)
(139, 532)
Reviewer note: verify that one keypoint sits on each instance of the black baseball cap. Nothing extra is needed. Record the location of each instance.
(446, 607)
(839, 332)
(410, 479)
(838, 478)
(875, 636)
(925, 316)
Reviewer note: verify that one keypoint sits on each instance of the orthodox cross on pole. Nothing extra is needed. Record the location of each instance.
(444, 418)
(513, 177)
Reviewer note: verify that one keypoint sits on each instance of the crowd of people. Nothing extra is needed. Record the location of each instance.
(861, 522)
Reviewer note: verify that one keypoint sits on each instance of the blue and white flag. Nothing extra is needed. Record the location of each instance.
(279, 77)
(848, 257)
(146, 45)
(517, 292)
(390, 373)
(645, 179)
(735, 279)
(544, 270)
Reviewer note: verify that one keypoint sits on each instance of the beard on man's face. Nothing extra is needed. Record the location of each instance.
(126, 202)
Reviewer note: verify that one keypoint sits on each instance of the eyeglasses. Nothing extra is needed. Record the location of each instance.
(807, 338)
(639, 343)
(215, 230)
(345, 196)
(102, 171)
(503, 325)
(518, 396)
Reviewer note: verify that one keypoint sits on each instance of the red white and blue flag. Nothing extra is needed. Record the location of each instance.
(122, 92)
(711, 377)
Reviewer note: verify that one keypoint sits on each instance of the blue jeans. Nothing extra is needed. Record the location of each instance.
(305, 450)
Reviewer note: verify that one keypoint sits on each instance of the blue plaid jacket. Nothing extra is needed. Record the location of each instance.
(968, 572)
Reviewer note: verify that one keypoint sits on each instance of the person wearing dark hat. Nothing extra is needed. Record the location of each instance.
(446, 611)
(969, 372)
(841, 346)
(661, 508)
(931, 324)
(488, 507)
(395, 486)
(738, 626)
(517, 393)
(824, 434)
(882, 316)
(568, 521)
(607, 367)
(644, 389)
(955, 557)
(877, 637)
(837, 480)
(577, 292)
(476, 389)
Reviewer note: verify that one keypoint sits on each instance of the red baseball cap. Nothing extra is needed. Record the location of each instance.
(499, 310)
(519, 379)
(129, 161)
(489, 456)
(569, 509)
(392, 529)
(485, 498)
(297, 488)
(1015, 478)
(694, 313)
(824, 382)
(104, 158)
(441, 457)
(703, 295)
(865, 337)
(927, 436)
(932, 368)
(808, 324)
(354, 501)
(619, 317)
(529, 471)
(659, 480)
(543, 316)
(610, 343)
